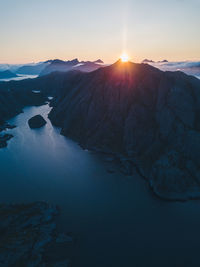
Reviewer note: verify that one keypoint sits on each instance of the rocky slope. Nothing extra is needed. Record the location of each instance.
(29, 235)
(148, 117)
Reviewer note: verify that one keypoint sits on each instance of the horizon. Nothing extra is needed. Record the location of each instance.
(105, 63)
(100, 133)
(38, 31)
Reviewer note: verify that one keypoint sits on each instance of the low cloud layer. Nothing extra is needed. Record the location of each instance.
(189, 67)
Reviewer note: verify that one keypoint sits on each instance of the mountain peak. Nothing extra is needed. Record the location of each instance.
(99, 61)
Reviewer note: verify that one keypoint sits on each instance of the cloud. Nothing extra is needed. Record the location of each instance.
(189, 67)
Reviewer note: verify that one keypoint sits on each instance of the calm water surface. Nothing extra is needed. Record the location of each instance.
(115, 219)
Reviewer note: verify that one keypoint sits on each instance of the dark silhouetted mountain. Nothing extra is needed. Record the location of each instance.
(64, 66)
(7, 74)
(148, 118)
(99, 61)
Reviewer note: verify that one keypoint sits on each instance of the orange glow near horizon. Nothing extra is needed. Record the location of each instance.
(124, 57)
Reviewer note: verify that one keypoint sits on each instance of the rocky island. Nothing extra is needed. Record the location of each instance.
(36, 122)
(28, 234)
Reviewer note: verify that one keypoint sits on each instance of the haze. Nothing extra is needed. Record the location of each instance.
(39, 30)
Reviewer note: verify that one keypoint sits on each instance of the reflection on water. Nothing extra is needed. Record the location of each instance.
(115, 219)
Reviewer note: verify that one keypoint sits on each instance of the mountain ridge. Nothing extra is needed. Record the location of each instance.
(149, 116)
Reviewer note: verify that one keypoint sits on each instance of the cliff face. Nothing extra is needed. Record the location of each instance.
(151, 117)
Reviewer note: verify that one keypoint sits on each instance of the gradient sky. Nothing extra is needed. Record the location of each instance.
(36, 30)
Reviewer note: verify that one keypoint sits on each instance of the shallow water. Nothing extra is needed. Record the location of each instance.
(115, 219)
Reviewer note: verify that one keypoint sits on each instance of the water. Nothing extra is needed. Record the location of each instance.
(115, 219)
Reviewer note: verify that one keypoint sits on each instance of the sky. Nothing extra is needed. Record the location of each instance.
(37, 30)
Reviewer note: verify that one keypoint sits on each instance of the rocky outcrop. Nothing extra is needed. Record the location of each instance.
(149, 117)
(5, 126)
(36, 122)
(29, 235)
(4, 138)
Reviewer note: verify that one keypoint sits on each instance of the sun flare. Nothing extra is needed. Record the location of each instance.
(124, 57)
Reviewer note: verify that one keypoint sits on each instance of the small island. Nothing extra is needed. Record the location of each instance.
(36, 122)
(29, 234)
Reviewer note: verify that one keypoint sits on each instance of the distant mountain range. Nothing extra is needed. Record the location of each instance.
(75, 64)
(33, 69)
(46, 67)
(151, 61)
(7, 74)
(188, 67)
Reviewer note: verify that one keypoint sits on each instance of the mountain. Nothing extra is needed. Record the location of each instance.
(99, 61)
(148, 61)
(146, 117)
(32, 69)
(7, 74)
(64, 66)
(4, 67)
(163, 61)
(151, 61)
(14, 95)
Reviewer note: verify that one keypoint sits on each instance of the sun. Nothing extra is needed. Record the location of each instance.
(124, 57)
